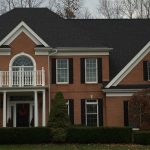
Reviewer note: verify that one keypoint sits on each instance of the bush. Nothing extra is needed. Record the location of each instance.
(142, 137)
(25, 135)
(99, 135)
(58, 135)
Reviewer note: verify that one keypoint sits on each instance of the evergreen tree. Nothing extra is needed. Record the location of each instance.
(58, 116)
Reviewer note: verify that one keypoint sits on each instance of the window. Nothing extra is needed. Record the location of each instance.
(62, 71)
(91, 113)
(91, 70)
(148, 69)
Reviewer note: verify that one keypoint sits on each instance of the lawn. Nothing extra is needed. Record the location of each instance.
(74, 147)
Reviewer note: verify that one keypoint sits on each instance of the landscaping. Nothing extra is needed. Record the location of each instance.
(74, 147)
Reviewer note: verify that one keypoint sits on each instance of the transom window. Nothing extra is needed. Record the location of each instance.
(91, 70)
(148, 68)
(91, 112)
(62, 71)
(23, 61)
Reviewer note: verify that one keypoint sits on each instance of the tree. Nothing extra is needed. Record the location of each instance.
(139, 109)
(84, 14)
(58, 116)
(6, 5)
(110, 9)
(68, 8)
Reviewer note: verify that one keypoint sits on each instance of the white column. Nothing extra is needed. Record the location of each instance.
(44, 110)
(4, 109)
(43, 76)
(35, 109)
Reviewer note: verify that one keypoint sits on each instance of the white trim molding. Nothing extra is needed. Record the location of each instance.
(120, 92)
(23, 27)
(127, 69)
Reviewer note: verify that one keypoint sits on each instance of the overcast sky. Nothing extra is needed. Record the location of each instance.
(92, 5)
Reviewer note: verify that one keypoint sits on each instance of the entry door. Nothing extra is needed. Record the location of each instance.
(22, 115)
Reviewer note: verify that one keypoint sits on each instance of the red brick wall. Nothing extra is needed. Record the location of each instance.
(136, 75)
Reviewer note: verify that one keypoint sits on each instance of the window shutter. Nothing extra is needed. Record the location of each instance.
(100, 109)
(99, 61)
(83, 111)
(82, 70)
(70, 71)
(53, 70)
(145, 70)
(126, 119)
(71, 110)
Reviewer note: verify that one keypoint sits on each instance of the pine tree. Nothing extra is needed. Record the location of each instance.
(58, 116)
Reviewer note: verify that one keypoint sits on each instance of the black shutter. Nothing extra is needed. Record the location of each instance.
(82, 70)
(83, 111)
(145, 70)
(100, 109)
(53, 66)
(71, 110)
(70, 71)
(99, 61)
(126, 119)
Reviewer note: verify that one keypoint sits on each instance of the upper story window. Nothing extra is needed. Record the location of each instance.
(62, 71)
(91, 68)
(146, 69)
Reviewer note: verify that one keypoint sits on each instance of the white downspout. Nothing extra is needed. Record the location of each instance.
(49, 79)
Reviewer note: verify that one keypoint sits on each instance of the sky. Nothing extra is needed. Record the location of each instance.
(91, 5)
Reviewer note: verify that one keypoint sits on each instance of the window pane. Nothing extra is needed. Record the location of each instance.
(62, 70)
(23, 61)
(91, 70)
(92, 120)
(91, 108)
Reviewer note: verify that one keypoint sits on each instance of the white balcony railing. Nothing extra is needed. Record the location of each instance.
(22, 78)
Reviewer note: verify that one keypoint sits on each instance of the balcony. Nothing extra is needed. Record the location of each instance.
(22, 78)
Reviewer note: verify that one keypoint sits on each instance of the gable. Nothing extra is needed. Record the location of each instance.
(136, 75)
(130, 66)
(22, 27)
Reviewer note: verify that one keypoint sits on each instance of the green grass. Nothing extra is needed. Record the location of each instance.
(74, 147)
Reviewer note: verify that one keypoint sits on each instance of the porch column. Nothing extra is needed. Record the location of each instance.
(35, 109)
(44, 110)
(4, 109)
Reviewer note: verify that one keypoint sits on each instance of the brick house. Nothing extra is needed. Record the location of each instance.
(97, 64)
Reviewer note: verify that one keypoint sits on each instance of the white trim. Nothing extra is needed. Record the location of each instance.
(126, 70)
(94, 82)
(22, 54)
(67, 82)
(118, 94)
(82, 53)
(22, 27)
(5, 53)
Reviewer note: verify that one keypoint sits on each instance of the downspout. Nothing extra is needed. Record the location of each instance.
(49, 77)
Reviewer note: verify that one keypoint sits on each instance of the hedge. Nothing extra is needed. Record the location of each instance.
(99, 135)
(25, 135)
(142, 137)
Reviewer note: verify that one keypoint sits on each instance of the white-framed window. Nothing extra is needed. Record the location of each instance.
(91, 73)
(62, 71)
(148, 69)
(91, 113)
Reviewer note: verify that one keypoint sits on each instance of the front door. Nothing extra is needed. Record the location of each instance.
(22, 115)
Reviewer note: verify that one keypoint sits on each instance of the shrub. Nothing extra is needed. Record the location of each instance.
(59, 135)
(58, 116)
(142, 137)
(99, 135)
(25, 135)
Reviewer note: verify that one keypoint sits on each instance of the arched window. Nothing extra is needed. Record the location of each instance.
(22, 61)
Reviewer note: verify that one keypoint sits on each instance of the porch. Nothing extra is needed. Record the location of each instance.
(20, 108)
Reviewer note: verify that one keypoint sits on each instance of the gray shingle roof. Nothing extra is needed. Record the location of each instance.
(127, 37)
